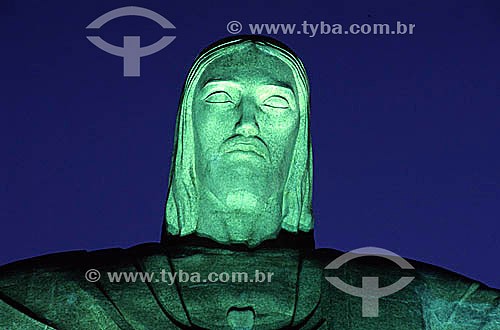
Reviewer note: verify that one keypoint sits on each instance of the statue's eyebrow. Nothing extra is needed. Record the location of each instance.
(215, 82)
(283, 88)
(282, 84)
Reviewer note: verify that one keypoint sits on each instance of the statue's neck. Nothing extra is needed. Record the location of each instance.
(284, 240)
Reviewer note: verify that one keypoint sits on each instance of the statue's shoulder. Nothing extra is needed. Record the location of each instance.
(69, 265)
(64, 291)
(434, 277)
(436, 297)
(452, 299)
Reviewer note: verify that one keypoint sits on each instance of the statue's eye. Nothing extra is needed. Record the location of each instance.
(219, 97)
(277, 102)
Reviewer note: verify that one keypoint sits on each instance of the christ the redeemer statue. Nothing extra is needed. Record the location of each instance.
(239, 202)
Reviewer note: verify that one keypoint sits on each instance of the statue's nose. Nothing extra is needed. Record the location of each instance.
(247, 125)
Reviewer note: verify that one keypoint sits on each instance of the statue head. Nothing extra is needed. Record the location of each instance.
(241, 169)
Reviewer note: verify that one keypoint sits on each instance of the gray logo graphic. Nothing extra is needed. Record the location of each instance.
(131, 50)
(370, 291)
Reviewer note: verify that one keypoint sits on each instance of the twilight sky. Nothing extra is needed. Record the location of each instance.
(405, 128)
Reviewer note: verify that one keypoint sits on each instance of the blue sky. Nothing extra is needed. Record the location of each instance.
(405, 128)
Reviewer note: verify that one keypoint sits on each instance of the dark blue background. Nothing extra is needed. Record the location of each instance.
(405, 128)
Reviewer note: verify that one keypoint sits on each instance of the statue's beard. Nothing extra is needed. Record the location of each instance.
(243, 218)
(229, 176)
(240, 204)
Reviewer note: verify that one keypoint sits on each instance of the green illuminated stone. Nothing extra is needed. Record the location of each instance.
(239, 201)
(242, 125)
(245, 123)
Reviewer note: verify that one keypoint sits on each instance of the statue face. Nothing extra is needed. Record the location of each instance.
(245, 119)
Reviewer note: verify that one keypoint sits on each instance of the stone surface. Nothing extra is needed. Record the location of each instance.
(52, 292)
(239, 202)
(242, 165)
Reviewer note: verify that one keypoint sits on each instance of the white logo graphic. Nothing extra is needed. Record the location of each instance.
(131, 50)
(370, 292)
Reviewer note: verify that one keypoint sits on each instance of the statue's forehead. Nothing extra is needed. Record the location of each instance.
(248, 64)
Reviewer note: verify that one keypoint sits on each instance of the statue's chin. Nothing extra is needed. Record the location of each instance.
(240, 184)
(243, 201)
(240, 216)
(251, 240)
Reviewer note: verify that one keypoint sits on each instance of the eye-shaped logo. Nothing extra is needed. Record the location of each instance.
(370, 292)
(131, 50)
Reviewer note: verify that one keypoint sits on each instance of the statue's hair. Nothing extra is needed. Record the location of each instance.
(181, 211)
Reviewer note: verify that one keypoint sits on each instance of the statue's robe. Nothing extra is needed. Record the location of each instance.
(51, 292)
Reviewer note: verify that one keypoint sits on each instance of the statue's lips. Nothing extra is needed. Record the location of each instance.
(247, 146)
